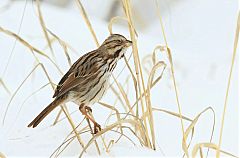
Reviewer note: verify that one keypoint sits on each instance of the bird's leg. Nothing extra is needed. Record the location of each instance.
(88, 109)
(84, 110)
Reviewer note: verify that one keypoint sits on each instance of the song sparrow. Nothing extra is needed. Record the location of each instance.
(87, 79)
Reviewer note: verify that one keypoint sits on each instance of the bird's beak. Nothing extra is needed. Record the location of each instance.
(128, 43)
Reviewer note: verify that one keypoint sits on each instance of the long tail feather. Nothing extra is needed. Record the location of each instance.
(45, 112)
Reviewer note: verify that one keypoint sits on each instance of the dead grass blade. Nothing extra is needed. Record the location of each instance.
(168, 112)
(2, 156)
(118, 96)
(91, 130)
(118, 119)
(135, 83)
(130, 121)
(43, 26)
(57, 117)
(111, 85)
(124, 95)
(64, 46)
(192, 125)
(138, 69)
(143, 94)
(72, 125)
(85, 17)
(5, 86)
(139, 132)
(15, 41)
(148, 98)
(114, 20)
(172, 72)
(146, 61)
(229, 82)
(173, 114)
(210, 146)
(122, 134)
(25, 43)
(154, 54)
(114, 109)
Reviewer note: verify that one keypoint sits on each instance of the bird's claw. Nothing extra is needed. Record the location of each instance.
(97, 128)
(88, 109)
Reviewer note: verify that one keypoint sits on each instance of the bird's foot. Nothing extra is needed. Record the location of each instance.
(88, 109)
(97, 128)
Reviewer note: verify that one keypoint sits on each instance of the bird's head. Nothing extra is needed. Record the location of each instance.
(115, 46)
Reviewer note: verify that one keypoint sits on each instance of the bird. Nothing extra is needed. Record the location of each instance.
(88, 78)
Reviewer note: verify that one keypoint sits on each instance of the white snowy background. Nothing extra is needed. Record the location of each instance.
(200, 34)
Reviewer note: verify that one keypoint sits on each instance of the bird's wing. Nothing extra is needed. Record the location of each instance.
(72, 82)
(79, 73)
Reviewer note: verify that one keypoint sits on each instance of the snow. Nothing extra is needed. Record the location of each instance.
(200, 34)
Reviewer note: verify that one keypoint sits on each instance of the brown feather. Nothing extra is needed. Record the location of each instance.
(77, 70)
(46, 111)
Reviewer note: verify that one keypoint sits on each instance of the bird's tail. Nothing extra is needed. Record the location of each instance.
(46, 111)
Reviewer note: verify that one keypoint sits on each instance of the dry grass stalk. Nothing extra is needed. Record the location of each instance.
(138, 69)
(113, 20)
(229, 82)
(149, 109)
(64, 46)
(118, 97)
(173, 76)
(85, 17)
(144, 93)
(192, 125)
(57, 117)
(64, 109)
(123, 94)
(170, 113)
(43, 26)
(135, 84)
(5, 86)
(114, 109)
(15, 41)
(2, 156)
(147, 61)
(118, 119)
(210, 146)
